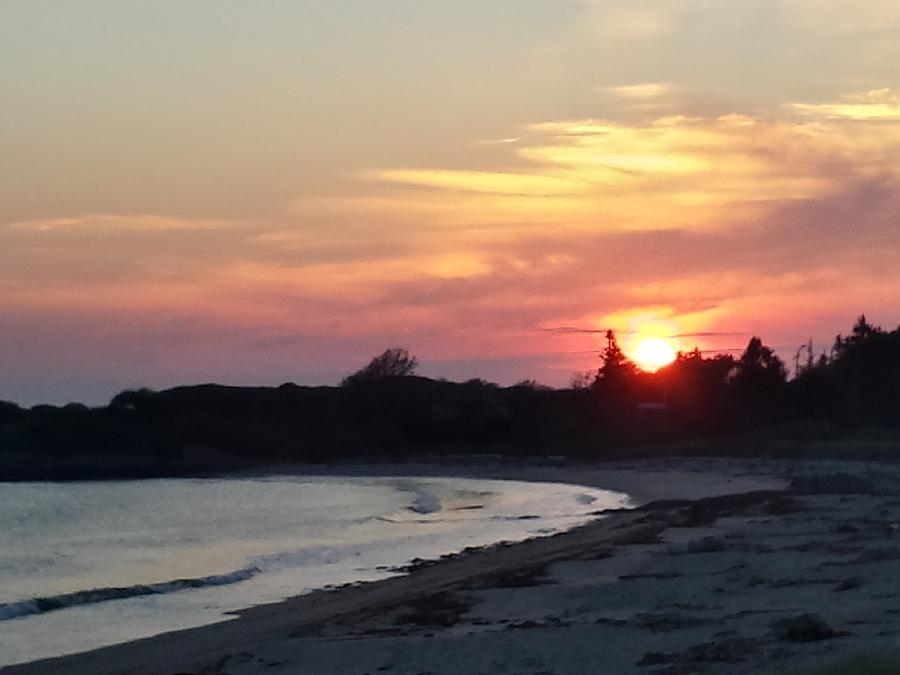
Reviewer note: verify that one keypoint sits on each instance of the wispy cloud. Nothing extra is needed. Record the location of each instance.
(501, 141)
(111, 223)
(710, 333)
(646, 90)
(575, 330)
(493, 182)
(870, 106)
(673, 172)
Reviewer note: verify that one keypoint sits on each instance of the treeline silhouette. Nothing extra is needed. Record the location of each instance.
(384, 411)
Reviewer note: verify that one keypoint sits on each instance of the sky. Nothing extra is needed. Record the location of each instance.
(254, 193)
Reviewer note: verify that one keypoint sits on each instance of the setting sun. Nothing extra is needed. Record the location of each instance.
(653, 353)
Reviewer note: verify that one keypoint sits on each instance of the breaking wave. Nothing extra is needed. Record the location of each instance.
(14, 610)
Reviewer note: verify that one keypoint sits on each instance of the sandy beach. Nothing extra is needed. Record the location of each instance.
(738, 566)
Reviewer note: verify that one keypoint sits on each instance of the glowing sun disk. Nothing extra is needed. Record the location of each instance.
(653, 353)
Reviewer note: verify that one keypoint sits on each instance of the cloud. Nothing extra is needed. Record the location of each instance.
(673, 172)
(700, 226)
(645, 90)
(492, 182)
(111, 223)
(870, 106)
(710, 221)
(501, 141)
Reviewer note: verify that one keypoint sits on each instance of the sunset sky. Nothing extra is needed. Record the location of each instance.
(261, 192)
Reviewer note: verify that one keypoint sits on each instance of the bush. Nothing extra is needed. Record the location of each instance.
(395, 362)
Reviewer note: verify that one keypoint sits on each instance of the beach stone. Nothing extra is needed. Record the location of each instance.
(802, 628)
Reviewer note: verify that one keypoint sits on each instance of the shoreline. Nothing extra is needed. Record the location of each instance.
(320, 619)
(303, 612)
(643, 480)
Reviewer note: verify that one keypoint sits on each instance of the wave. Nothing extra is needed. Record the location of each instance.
(20, 608)
(425, 502)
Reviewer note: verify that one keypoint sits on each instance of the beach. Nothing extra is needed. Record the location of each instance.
(746, 566)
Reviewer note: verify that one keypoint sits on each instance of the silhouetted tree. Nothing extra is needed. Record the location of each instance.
(616, 384)
(759, 362)
(801, 362)
(582, 380)
(616, 366)
(861, 332)
(758, 380)
(534, 385)
(395, 362)
(866, 370)
(696, 388)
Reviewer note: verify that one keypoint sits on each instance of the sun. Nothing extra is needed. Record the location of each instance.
(652, 353)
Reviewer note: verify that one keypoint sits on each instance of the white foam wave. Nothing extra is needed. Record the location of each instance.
(14, 610)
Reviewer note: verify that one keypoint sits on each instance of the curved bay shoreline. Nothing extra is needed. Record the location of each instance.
(674, 586)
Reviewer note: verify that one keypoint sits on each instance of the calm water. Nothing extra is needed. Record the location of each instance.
(88, 564)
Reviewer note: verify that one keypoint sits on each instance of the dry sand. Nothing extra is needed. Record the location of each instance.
(768, 582)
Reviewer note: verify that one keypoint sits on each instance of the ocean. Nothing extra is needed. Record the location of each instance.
(89, 564)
